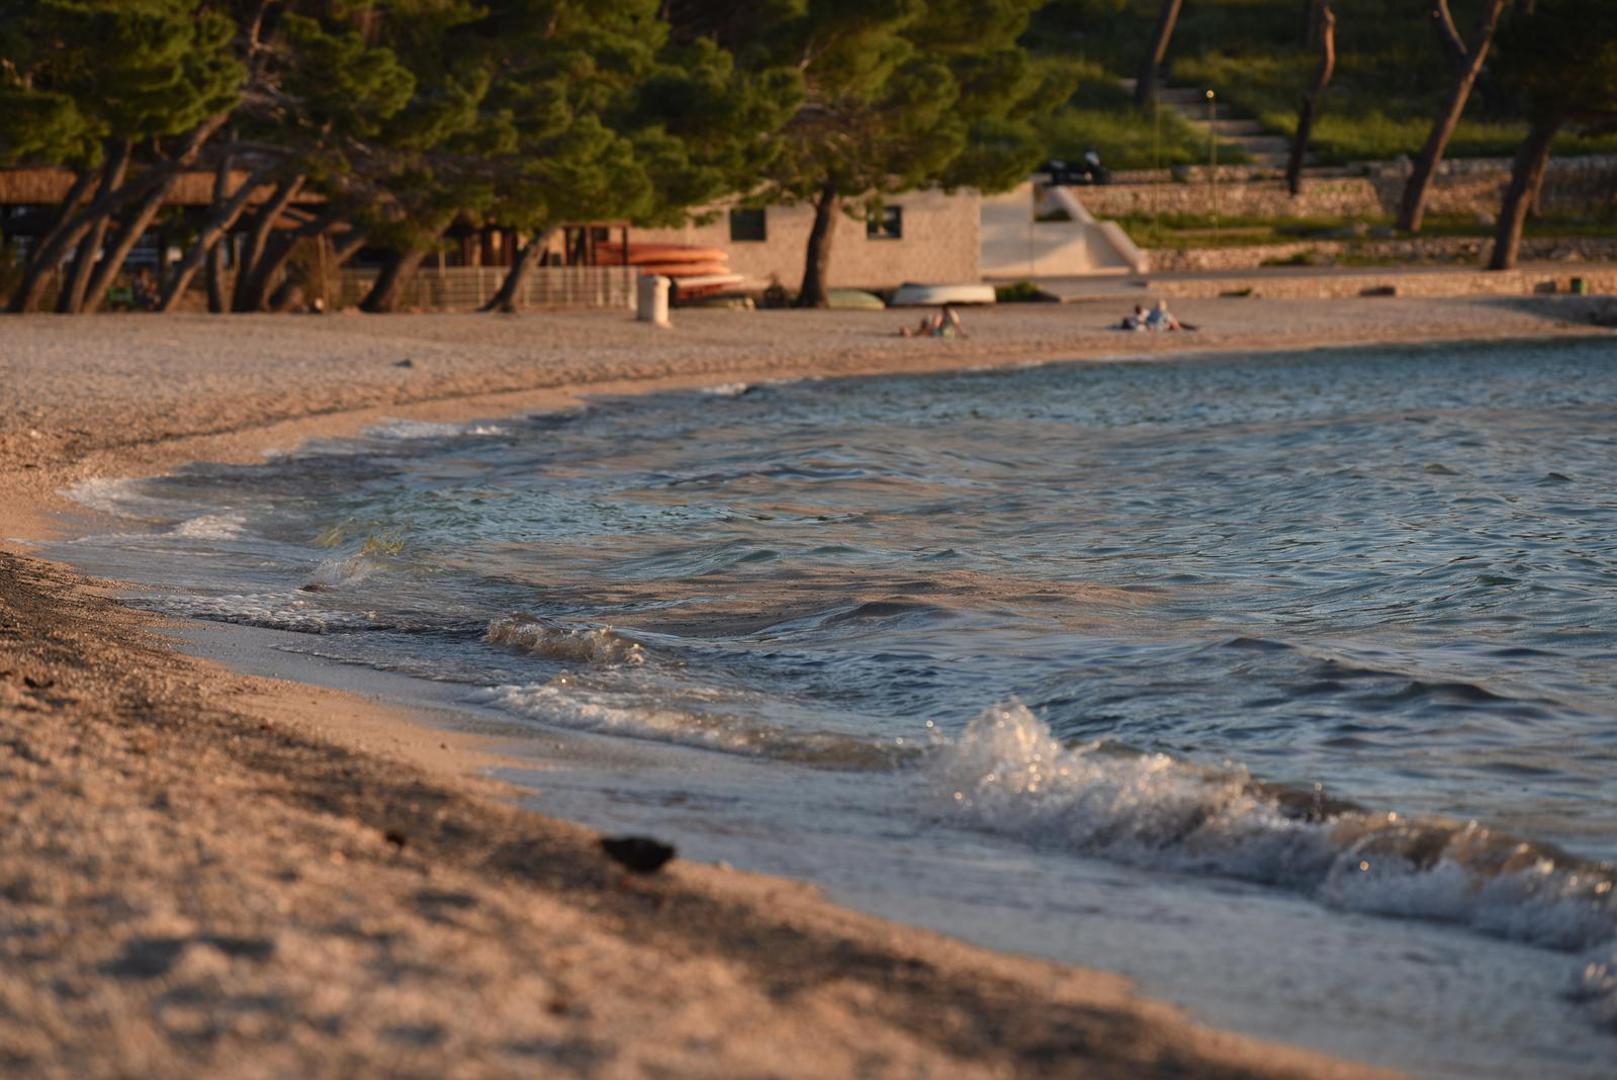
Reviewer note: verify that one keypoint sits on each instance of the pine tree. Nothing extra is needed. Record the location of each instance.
(1561, 56)
(897, 94)
(127, 92)
(615, 120)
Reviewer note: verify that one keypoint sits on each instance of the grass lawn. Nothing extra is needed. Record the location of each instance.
(1390, 74)
(1102, 117)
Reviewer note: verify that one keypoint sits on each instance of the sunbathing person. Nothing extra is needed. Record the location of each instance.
(946, 323)
(1161, 318)
(927, 327)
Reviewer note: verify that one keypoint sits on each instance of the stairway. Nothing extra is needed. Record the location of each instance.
(1261, 148)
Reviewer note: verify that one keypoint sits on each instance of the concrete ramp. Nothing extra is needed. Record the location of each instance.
(1039, 230)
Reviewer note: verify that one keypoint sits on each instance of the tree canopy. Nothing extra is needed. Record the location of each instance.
(399, 118)
(386, 123)
(896, 94)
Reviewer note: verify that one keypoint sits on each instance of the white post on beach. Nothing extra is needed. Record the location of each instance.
(652, 297)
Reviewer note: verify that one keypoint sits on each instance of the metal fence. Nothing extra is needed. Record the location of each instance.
(465, 288)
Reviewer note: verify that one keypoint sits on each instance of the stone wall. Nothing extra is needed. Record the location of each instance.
(1457, 251)
(1578, 187)
(1340, 284)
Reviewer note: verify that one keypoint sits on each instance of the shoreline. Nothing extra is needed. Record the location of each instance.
(231, 807)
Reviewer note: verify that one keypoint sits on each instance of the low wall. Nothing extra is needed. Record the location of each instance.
(1580, 187)
(1599, 281)
(1453, 250)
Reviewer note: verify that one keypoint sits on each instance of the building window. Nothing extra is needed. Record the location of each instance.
(885, 224)
(748, 225)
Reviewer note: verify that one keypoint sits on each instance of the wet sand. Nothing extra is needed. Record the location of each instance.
(203, 872)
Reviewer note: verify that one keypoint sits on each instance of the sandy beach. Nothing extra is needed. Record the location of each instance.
(204, 873)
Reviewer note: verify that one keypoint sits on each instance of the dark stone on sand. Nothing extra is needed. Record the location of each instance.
(637, 854)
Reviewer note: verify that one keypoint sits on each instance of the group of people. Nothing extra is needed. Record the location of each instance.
(946, 324)
(1159, 318)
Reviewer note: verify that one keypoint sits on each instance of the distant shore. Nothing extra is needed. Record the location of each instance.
(204, 872)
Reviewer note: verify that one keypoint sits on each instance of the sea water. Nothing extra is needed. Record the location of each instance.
(1285, 684)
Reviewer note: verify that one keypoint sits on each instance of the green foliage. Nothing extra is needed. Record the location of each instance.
(610, 118)
(340, 83)
(895, 94)
(1563, 59)
(75, 73)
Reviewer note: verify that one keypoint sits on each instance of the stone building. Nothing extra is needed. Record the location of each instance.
(924, 236)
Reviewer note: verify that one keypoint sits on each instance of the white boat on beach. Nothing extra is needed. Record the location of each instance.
(912, 295)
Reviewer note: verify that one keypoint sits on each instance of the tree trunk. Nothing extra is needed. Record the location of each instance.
(252, 272)
(1525, 176)
(506, 298)
(1412, 212)
(278, 252)
(27, 294)
(1322, 79)
(71, 202)
(74, 287)
(102, 206)
(204, 250)
(817, 260)
(1448, 36)
(125, 242)
(218, 300)
(45, 259)
(1145, 90)
(346, 248)
(389, 287)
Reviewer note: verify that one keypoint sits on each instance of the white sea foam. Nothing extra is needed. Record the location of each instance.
(1007, 774)
(586, 645)
(132, 498)
(212, 527)
(1596, 987)
(663, 709)
(727, 390)
(275, 611)
(340, 572)
(109, 495)
(403, 430)
(564, 704)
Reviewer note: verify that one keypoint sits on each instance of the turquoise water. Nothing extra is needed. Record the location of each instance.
(1338, 627)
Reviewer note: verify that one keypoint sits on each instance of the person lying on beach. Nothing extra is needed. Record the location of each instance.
(1161, 318)
(946, 323)
(1135, 321)
(927, 327)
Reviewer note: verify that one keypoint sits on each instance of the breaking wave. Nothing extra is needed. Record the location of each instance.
(586, 645)
(1007, 774)
(212, 527)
